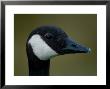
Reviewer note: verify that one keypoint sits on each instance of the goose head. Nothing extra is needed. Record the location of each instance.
(46, 42)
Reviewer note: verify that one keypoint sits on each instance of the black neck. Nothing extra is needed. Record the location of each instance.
(37, 67)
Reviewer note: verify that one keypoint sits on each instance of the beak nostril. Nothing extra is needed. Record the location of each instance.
(74, 45)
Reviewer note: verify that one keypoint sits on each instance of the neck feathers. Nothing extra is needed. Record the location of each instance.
(37, 67)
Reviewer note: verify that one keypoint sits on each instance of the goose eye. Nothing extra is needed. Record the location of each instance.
(48, 35)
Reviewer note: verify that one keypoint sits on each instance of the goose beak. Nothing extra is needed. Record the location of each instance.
(73, 47)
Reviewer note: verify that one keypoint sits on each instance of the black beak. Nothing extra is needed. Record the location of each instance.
(73, 47)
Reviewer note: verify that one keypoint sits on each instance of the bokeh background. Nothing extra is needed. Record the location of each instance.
(81, 27)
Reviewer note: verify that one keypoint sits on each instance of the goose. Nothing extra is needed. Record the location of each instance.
(46, 42)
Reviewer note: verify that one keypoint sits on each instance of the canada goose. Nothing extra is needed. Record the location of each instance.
(46, 42)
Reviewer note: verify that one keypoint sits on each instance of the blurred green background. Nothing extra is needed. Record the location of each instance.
(81, 27)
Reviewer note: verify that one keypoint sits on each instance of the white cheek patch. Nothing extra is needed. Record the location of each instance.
(40, 48)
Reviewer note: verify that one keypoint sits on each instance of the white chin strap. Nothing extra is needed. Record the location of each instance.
(42, 50)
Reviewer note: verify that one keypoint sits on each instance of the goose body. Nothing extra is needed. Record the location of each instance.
(46, 42)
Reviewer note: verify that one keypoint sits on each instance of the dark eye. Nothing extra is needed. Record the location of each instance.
(48, 35)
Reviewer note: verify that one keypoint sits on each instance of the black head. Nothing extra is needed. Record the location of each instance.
(58, 40)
